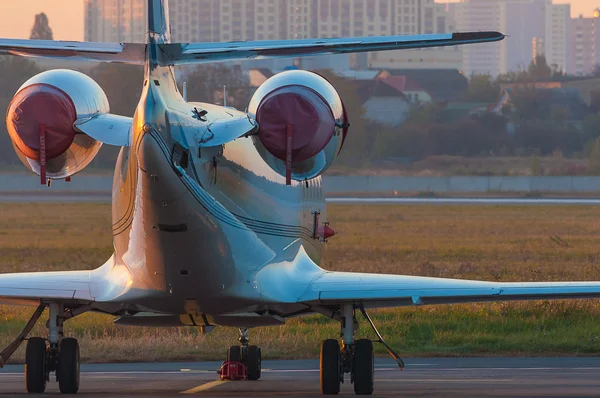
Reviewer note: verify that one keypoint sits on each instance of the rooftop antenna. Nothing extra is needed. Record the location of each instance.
(185, 91)
(225, 96)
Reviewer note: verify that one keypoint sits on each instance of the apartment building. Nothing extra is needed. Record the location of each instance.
(558, 51)
(524, 21)
(241, 20)
(585, 44)
(482, 15)
(115, 20)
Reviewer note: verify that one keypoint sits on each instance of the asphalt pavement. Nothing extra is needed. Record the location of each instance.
(439, 377)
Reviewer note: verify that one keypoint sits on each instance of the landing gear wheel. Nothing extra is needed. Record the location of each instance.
(234, 354)
(253, 360)
(330, 367)
(67, 370)
(363, 367)
(35, 365)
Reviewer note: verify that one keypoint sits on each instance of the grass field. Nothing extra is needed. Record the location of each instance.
(496, 243)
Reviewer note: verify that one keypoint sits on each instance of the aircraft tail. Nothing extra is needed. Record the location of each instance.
(159, 27)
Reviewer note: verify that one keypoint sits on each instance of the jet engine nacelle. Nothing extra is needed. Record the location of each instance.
(52, 101)
(302, 123)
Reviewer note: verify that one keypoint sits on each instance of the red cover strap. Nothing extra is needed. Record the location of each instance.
(43, 180)
(288, 156)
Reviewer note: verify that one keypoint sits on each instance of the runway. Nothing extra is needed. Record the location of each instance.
(468, 201)
(64, 197)
(439, 377)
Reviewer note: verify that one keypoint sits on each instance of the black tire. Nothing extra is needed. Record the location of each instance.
(253, 361)
(330, 367)
(67, 370)
(35, 365)
(363, 367)
(234, 354)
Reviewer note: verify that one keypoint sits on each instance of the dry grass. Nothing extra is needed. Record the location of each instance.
(497, 243)
(477, 242)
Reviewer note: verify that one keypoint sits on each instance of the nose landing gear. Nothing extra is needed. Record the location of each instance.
(249, 356)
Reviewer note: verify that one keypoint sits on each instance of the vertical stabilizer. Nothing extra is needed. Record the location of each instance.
(159, 28)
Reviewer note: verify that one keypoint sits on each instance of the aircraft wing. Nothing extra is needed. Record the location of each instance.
(129, 53)
(301, 281)
(29, 288)
(377, 291)
(176, 54)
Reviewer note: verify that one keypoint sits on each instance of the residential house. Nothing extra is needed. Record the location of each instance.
(441, 84)
(383, 103)
(411, 89)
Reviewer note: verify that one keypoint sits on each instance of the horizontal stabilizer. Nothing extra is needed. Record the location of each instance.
(176, 53)
(128, 53)
(191, 53)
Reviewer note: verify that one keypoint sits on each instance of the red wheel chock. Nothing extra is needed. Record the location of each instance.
(233, 371)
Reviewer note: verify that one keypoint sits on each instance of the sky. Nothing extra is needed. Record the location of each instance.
(66, 16)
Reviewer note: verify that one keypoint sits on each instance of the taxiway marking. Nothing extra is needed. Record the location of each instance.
(205, 386)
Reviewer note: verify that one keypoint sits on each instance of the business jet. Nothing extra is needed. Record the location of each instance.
(218, 215)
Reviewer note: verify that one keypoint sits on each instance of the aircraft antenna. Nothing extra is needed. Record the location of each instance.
(225, 96)
(185, 91)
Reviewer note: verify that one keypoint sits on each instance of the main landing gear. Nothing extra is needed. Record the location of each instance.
(43, 356)
(354, 357)
(247, 355)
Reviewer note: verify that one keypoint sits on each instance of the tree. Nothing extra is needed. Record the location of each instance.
(594, 160)
(591, 127)
(15, 71)
(525, 106)
(205, 84)
(545, 136)
(411, 141)
(424, 113)
(482, 88)
(539, 69)
(41, 30)
(122, 84)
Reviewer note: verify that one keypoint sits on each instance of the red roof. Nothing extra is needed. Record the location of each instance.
(402, 83)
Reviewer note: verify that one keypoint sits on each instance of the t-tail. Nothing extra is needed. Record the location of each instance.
(159, 33)
(159, 27)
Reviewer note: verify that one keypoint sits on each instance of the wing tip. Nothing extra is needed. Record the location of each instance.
(478, 36)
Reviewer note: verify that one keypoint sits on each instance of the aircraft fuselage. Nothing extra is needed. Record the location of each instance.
(194, 224)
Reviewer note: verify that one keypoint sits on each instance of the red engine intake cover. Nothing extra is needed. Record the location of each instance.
(310, 116)
(36, 105)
